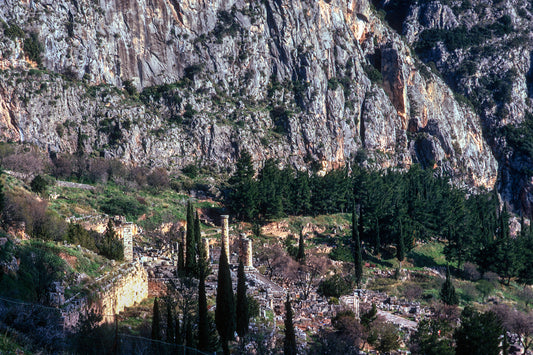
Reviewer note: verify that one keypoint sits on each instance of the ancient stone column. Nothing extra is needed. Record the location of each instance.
(248, 262)
(205, 242)
(128, 241)
(356, 305)
(225, 234)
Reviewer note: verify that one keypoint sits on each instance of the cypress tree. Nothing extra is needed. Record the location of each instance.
(289, 344)
(202, 264)
(225, 310)
(190, 260)
(300, 256)
(181, 259)
(242, 303)
(156, 320)
(447, 292)
(111, 247)
(203, 322)
(170, 324)
(2, 198)
(358, 259)
(197, 231)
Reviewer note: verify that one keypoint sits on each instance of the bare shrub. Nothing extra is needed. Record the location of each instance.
(471, 272)
(158, 178)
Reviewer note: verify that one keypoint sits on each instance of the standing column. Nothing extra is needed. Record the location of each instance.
(205, 241)
(128, 242)
(225, 234)
(248, 259)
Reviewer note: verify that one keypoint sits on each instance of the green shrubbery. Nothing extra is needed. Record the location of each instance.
(123, 206)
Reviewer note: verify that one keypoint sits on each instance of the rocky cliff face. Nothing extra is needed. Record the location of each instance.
(305, 82)
(483, 50)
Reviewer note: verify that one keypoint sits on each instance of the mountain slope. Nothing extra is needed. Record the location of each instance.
(310, 83)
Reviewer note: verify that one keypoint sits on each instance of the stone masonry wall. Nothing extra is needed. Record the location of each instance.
(127, 288)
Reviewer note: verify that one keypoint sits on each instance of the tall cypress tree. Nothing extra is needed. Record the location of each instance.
(202, 266)
(190, 259)
(447, 292)
(225, 310)
(156, 322)
(181, 259)
(289, 344)
(243, 316)
(203, 321)
(2, 197)
(358, 259)
(170, 323)
(300, 256)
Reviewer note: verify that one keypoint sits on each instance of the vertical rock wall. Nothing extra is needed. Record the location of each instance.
(127, 288)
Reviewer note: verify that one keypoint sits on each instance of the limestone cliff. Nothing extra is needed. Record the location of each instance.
(301, 81)
(483, 49)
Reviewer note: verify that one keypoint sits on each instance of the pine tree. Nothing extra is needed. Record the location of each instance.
(190, 260)
(358, 259)
(156, 322)
(170, 324)
(243, 196)
(242, 303)
(400, 248)
(203, 321)
(289, 344)
(447, 292)
(300, 256)
(225, 309)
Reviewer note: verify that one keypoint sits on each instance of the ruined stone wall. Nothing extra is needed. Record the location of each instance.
(126, 288)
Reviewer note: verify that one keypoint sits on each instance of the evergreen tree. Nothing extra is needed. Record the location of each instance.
(202, 264)
(197, 232)
(181, 259)
(156, 322)
(301, 194)
(203, 321)
(447, 292)
(243, 195)
(358, 259)
(400, 247)
(190, 240)
(242, 303)
(289, 344)
(2, 197)
(479, 333)
(225, 309)
(170, 323)
(300, 256)
(110, 246)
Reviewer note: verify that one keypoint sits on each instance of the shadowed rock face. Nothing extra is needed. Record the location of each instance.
(305, 82)
(483, 49)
